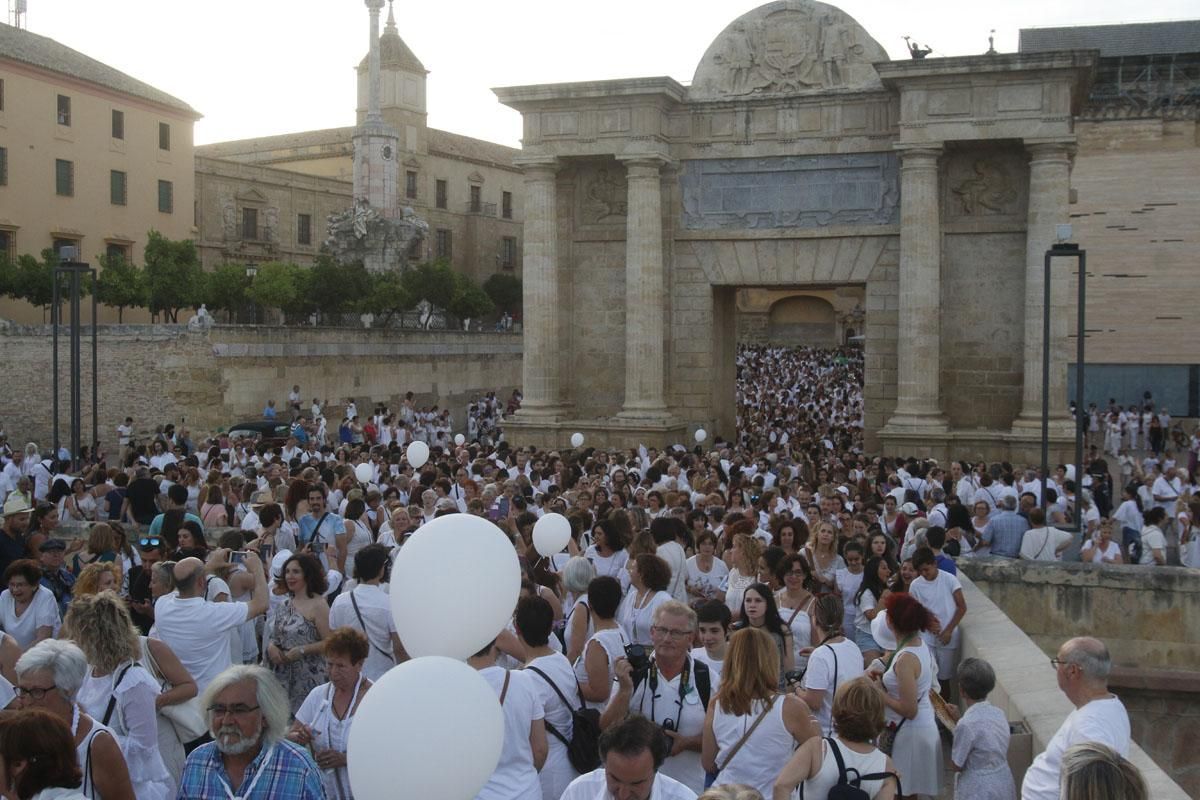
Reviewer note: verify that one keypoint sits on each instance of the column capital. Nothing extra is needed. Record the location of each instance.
(646, 164)
(925, 155)
(533, 163)
(1050, 150)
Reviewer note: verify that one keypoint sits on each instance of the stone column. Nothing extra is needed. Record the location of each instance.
(645, 361)
(918, 368)
(541, 382)
(373, 104)
(1049, 200)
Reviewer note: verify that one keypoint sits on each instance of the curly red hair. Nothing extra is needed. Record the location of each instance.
(906, 613)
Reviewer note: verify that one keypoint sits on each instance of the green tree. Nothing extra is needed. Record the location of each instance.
(433, 281)
(8, 272)
(174, 279)
(505, 291)
(278, 285)
(224, 289)
(334, 288)
(33, 280)
(470, 301)
(387, 296)
(120, 285)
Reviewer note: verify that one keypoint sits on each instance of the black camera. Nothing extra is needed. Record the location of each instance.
(639, 660)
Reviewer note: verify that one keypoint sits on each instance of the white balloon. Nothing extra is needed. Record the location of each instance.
(701, 435)
(451, 723)
(487, 585)
(551, 534)
(459, 439)
(364, 473)
(418, 454)
(576, 440)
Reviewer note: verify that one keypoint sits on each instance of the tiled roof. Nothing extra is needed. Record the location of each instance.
(1134, 39)
(457, 145)
(324, 137)
(38, 51)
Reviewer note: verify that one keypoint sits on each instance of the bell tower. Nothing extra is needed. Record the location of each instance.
(376, 144)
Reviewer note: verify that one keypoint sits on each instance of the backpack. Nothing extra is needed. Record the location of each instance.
(583, 749)
(848, 788)
(1135, 550)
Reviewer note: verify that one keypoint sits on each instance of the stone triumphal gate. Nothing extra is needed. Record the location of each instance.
(799, 157)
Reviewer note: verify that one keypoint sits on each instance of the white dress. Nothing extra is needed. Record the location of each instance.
(557, 773)
(83, 752)
(636, 618)
(612, 641)
(758, 761)
(134, 721)
(330, 733)
(917, 752)
(357, 541)
(827, 776)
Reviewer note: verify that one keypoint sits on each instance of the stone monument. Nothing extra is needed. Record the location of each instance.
(376, 231)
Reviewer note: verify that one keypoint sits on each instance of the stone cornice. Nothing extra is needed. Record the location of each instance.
(521, 97)
(896, 73)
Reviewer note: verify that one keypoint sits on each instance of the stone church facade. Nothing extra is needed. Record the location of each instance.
(800, 157)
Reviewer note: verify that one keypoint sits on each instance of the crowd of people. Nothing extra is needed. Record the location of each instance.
(748, 617)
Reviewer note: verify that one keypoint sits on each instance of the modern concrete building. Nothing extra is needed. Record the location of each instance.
(90, 157)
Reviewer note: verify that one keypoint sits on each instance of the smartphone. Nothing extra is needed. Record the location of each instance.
(494, 513)
(266, 552)
(237, 557)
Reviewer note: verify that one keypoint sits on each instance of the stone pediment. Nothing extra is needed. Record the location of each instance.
(790, 47)
(251, 195)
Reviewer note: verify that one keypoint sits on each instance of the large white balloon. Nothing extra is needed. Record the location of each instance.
(364, 473)
(576, 439)
(451, 725)
(701, 435)
(459, 439)
(487, 583)
(417, 454)
(551, 534)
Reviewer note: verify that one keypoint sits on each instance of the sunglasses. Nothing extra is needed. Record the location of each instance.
(147, 543)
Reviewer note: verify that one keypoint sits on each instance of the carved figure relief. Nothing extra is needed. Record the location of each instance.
(229, 219)
(271, 224)
(605, 198)
(989, 190)
(788, 47)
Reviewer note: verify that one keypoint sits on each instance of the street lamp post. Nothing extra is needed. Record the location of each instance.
(251, 272)
(75, 271)
(1064, 249)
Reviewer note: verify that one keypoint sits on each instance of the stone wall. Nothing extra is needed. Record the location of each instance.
(1148, 616)
(162, 373)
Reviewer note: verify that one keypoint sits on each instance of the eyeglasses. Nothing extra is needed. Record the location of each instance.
(671, 632)
(36, 692)
(147, 543)
(796, 573)
(1058, 662)
(236, 710)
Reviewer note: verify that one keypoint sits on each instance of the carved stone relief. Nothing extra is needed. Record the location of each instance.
(603, 196)
(788, 47)
(982, 185)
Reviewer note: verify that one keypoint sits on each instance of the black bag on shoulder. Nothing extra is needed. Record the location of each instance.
(583, 750)
(850, 788)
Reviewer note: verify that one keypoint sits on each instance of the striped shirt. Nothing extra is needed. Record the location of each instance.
(291, 774)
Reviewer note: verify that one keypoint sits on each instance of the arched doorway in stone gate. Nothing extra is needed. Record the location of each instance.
(801, 316)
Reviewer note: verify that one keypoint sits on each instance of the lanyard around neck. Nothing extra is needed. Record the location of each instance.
(254, 781)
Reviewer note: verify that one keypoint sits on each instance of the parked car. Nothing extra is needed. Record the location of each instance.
(268, 431)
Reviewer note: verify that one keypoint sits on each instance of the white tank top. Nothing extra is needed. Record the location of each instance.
(758, 761)
(891, 683)
(827, 776)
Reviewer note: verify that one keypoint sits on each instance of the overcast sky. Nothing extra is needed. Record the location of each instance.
(255, 67)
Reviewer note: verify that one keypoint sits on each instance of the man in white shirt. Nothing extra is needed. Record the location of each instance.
(1082, 667)
(125, 433)
(1166, 491)
(1043, 542)
(368, 608)
(942, 594)
(663, 530)
(525, 744)
(631, 753)
(198, 631)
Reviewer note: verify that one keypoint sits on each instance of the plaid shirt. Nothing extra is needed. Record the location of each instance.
(291, 775)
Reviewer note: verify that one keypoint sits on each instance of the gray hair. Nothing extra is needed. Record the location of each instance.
(272, 699)
(976, 678)
(1093, 771)
(1009, 502)
(731, 791)
(674, 608)
(1091, 655)
(61, 658)
(577, 574)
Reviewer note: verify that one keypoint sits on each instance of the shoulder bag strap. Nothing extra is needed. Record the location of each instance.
(843, 773)
(558, 691)
(112, 701)
(835, 668)
(363, 625)
(504, 689)
(746, 736)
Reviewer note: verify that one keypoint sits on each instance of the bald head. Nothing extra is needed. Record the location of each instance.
(186, 573)
(1091, 655)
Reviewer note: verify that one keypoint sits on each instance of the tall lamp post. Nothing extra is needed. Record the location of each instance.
(1064, 249)
(251, 272)
(74, 271)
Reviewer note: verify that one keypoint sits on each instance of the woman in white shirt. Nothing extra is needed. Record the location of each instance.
(358, 535)
(28, 611)
(607, 552)
(117, 691)
(1100, 548)
(705, 572)
(649, 577)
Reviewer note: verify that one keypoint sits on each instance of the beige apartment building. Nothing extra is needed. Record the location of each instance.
(90, 158)
(269, 198)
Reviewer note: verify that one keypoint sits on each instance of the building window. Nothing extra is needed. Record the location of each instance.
(64, 110)
(508, 252)
(115, 251)
(63, 244)
(506, 205)
(118, 124)
(8, 244)
(118, 187)
(64, 177)
(166, 197)
(304, 229)
(445, 244)
(250, 224)
(476, 199)
(3, 166)
(164, 136)
(440, 194)
(410, 185)
(1, 94)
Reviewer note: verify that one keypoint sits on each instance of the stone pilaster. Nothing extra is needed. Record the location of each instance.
(542, 384)
(1049, 200)
(918, 368)
(645, 360)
